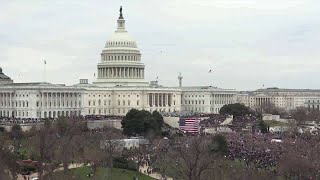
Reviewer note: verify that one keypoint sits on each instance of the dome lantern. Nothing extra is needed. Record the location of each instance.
(121, 22)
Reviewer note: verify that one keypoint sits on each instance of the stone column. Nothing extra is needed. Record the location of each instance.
(56, 100)
(51, 100)
(133, 73)
(158, 99)
(47, 102)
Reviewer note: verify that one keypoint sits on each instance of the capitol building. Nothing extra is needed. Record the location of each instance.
(120, 86)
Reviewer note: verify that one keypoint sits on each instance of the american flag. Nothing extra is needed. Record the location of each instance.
(189, 124)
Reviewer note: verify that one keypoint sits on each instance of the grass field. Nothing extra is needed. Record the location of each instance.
(275, 123)
(102, 173)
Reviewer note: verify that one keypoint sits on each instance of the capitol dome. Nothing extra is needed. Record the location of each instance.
(121, 39)
(120, 63)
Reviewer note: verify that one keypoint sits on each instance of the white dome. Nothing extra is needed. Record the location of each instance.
(120, 60)
(121, 39)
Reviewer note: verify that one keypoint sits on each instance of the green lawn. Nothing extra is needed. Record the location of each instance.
(275, 123)
(102, 173)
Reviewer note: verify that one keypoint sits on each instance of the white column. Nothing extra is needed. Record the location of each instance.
(51, 100)
(47, 101)
(130, 72)
(142, 72)
(56, 100)
(153, 99)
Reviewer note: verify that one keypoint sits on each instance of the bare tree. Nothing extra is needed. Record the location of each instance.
(8, 165)
(187, 158)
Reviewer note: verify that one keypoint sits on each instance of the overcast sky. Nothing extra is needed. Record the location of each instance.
(246, 43)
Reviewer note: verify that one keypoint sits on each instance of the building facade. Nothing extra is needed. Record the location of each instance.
(287, 99)
(206, 99)
(120, 86)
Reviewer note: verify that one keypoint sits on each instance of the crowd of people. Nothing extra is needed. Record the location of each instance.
(254, 150)
(102, 117)
(212, 120)
(6, 120)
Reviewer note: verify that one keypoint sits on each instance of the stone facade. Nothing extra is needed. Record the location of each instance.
(287, 99)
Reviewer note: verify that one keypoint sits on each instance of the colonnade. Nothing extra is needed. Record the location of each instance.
(260, 101)
(6, 99)
(59, 99)
(160, 99)
(121, 72)
(223, 98)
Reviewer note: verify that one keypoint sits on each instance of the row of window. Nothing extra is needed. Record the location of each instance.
(14, 113)
(59, 95)
(120, 58)
(109, 103)
(105, 95)
(59, 104)
(15, 104)
(194, 102)
(56, 114)
(121, 43)
(119, 111)
(45, 95)
(214, 95)
(9, 95)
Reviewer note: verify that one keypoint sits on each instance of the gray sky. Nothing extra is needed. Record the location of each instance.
(246, 43)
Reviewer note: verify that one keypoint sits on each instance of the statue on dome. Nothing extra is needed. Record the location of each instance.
(121, 17)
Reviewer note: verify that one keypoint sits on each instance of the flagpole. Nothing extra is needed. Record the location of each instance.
(44, 71)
